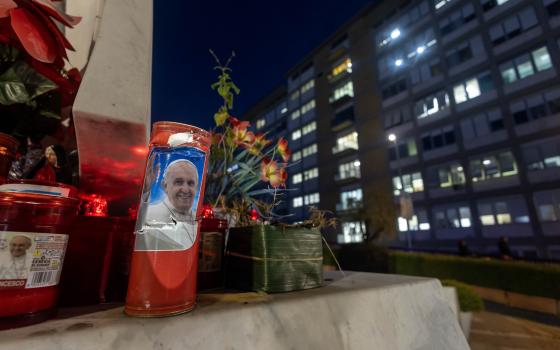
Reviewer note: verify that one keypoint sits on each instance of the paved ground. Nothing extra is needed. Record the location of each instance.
(493, 331)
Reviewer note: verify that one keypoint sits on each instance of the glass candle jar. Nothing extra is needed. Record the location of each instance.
(35, 221)
(164, 261)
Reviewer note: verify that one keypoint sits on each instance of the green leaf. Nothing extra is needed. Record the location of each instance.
(220, 117)
(21, 84)
(49, 114)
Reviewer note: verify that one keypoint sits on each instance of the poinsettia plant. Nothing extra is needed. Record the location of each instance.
(34, 83)
(246, 171)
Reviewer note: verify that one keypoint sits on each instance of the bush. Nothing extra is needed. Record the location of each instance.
(468, 299)
(367, 257)
(512, 276)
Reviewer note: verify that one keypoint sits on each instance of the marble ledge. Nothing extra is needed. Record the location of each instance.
(359, 311)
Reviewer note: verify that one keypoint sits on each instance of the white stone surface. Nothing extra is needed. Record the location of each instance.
(112, 109)
(117, 81)
(360, 311)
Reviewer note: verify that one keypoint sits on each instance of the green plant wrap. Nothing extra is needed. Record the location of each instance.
(274, 258)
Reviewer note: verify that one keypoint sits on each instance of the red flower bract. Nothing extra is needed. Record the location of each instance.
(33, 29)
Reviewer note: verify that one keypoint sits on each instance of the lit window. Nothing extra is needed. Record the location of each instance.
(344, 66)
(310, 174)
(351, 199)
(308, 106)
(295, 114)
(431, 104)
(346, 89)
(526, 65)
(261, 123)
(412, 183)
(472, 88)
(296, 156)
(417, 222)
(297, 202)
(309, 150)
(541, 59)
(352, 232)
(349, 141)
(308, 128)
(312, 198)
(296, 134)
(503, 212)
(349, 170)
(493, 166)
(283, 110)
(307, 86)
(295, 95)
(487, 220)
(297, 178)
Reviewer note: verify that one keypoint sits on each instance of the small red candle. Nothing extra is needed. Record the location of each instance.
(34, 230)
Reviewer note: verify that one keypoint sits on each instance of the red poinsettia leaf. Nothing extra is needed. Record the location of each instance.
(59, 37)
(33, 35)
(62, 17)
(6, 6)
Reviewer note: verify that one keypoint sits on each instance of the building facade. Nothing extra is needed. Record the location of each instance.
(469, 92)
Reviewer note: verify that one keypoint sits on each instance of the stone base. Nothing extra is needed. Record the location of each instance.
(359, 311)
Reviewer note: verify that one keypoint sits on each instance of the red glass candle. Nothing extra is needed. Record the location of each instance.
(35, 220)
(211, 253)
(164, 262)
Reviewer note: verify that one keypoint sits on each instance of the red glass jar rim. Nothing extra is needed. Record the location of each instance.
(161, 131)
(72, 200)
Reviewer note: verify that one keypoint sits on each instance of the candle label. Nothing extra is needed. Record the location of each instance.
(210, 252)
(31, 260)
(167, 219)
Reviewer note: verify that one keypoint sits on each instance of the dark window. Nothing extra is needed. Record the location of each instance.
(427, 143)
(496, 125)
(538, 112)
(438, 141)
(554, 9)
(393, 89)
(488, 5)
(554, 105)
(520, 117)
(459, 56)
(449, 137)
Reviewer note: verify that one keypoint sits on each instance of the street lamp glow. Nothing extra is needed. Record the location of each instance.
(399, 62)
(420, 50)
(392, 137)
(395, 33)
(356, 163)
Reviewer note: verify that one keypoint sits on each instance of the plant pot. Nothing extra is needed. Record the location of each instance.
(8, 148)
(274, 258)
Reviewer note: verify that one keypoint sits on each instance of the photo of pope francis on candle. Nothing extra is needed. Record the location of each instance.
(167, 215)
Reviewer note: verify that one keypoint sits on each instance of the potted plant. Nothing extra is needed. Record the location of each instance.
(35, 86)
(246, 181)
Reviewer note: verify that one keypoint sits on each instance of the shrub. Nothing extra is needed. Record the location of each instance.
(468, 299)
(512, 276)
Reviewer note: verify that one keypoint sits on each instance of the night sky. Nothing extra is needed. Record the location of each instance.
(269, 37)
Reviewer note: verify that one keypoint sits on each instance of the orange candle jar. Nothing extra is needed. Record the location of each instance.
(164, 261)
(35, 220)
